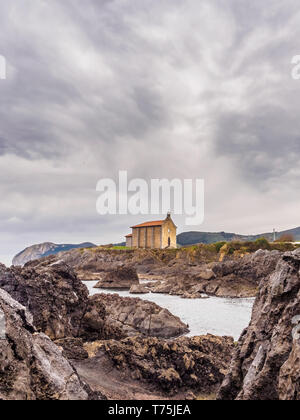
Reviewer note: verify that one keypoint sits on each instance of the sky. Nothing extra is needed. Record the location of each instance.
(163, 89)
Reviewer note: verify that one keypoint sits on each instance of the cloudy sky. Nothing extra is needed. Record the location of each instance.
(169, 88)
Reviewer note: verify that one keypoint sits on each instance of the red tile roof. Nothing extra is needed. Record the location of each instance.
(149, 224)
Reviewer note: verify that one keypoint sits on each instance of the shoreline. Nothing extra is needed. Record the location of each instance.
(231, 315)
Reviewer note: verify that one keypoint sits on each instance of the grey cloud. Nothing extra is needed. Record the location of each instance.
(264, 142)
(163, 89)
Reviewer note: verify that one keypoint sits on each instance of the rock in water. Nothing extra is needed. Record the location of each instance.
(138, 289)
(178, 271)
(241, 277)
(136, 316)
(119, 278)
(265, 365)
(61, 307)
(31, 365)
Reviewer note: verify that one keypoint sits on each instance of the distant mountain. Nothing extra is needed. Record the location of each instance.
(186, 238)
(191, 238)
(43, 250)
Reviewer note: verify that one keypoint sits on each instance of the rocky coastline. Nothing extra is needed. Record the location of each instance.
(188, 274)
(183, 368)
(53, 305)
(265, 364)
(57, 342)
(32, 366)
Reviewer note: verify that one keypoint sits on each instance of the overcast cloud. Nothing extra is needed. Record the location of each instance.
(184, 88)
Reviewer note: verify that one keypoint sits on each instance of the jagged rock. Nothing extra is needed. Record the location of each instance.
(253, 267)
(178, 271)
(51, 292)
(289, 376)
(188, 363)
(57, 299)
(265, 365)
(162, 288)
(32, 367)
(207, 274)
(120, 278)
(198, 289)
(187, 295)
(96, 321)
(97, 261)
(61, 307)
(238, 277)
(73, 348)
(134, 316)
(194, 295)
(138, 289)
(235, 277)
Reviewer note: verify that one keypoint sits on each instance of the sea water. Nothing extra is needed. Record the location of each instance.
(217, 316)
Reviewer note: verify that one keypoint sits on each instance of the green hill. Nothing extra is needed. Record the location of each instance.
(191, 238)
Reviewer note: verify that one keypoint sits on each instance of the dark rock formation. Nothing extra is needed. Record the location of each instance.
(51, 292)
(265, 365)
(119, 278)
(188, 363)
(178, 271)
(93, 264)
(73, 348)
(238, 277)
(134, 316)
(32, 367)
(96, 321)
(164, 287)
(253, 267)
(207, 274)
(138, 289)
(57, 300)
(61, 307)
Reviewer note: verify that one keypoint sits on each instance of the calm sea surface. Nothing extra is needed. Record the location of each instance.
(218, 316)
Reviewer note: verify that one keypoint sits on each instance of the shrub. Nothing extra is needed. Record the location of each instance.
(219, 245)
(230, 250)
(283, 246)
(262, 243)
